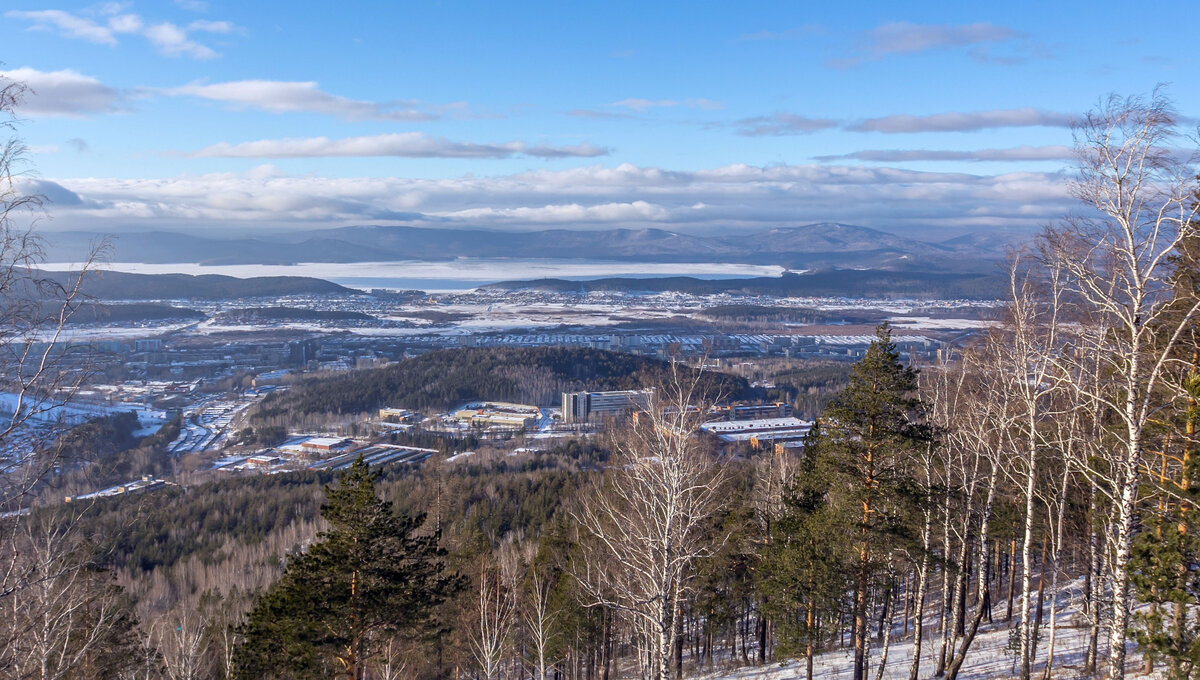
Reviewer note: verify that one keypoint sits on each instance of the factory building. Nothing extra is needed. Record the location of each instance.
(759, 433)
(499, 414)
(581, 407)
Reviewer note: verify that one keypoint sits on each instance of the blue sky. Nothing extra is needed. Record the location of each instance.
(921, 118)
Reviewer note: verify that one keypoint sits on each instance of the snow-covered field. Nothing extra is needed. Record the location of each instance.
(928, 323)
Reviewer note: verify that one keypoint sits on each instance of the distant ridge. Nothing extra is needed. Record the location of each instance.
(110, 285)
(825, 244)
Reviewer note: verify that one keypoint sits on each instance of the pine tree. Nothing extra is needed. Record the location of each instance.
(871, 430)
(365, 578)
(805, 570)
(1167, 574)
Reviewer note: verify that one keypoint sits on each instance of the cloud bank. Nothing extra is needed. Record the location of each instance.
(966, 121)
(1019, 153)
(405, 145)
(726, 198)
(906, 38)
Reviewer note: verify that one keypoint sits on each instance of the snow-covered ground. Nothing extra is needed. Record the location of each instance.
(988, 659)
(79, 411)
(928, 323)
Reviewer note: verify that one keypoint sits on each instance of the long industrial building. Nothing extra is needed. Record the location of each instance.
(759, 432)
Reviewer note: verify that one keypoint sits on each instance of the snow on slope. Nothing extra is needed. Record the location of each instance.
(988, 659)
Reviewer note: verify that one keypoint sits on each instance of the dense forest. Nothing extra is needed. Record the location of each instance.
(449, 378)
(134, 311)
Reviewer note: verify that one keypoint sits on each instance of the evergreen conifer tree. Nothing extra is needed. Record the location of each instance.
(366, 578)
(805, 571)
(1167, 574)
(870, 431)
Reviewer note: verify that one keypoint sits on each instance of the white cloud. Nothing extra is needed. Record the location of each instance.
(212, 26)
(965, 121)
(170, 39)
(126, 23)
(782, 124)
(600, 115)
(63, 93)
(406, 144)
(67, 24)
(726, 198)
(173, 41)
(641, 105)
(278, 96)
(903, 37)
(1019, 153)
(805, 31)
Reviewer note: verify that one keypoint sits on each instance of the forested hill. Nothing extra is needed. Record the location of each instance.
(110, 285)
(828, 283)
(89, 312)
(447, 378)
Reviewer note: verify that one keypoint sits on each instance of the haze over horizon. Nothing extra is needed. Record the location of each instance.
(210, 117)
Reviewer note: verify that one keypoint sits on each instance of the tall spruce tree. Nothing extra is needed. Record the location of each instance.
(366, 578)
(870, 433)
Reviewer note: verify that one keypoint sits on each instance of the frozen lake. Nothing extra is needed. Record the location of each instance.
(460, 274)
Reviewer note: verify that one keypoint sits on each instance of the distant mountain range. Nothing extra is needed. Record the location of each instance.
(798, 247)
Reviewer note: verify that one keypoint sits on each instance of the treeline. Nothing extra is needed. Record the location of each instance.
(812, 387)
(853, 283)
(448, 378)
(134, 311)
(764, 313)
(252, 314)
(113, 285)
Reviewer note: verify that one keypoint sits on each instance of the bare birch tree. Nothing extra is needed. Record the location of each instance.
(1031, 338)
(67, 615)
(539, 619)
(974, 468)
(491, 640)
(1140, 204)
(645, 529)
(182, 641)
